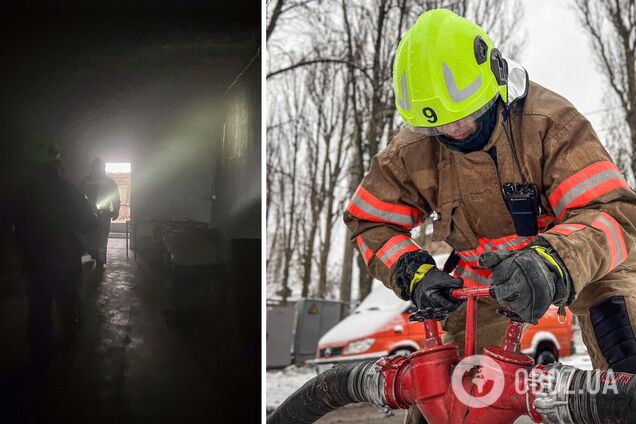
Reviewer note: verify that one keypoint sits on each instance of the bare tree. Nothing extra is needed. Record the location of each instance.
(280, 8)
(287, 181)
(334, 136)
(313, 194)
(611, 27)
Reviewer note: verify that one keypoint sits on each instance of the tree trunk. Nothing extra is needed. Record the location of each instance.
(326, 247)
(346, 276)
(632, 130)
(286, 291)
(278, 7)
(307, 261)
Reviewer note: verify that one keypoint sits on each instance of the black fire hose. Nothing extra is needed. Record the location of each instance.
(334, 388)
(601, 398)
(574, 396)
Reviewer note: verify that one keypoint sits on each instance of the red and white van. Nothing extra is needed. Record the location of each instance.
(380, 327)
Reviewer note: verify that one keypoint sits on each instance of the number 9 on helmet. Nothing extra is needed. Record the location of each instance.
(446, 69)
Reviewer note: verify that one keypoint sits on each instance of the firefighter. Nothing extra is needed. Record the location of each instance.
(514, 179)
(102, 192)
(48, 216)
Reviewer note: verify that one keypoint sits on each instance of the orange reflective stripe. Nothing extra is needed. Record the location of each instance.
(544, 221)
(365, 206)
(367, 254)
(473, 277)
(512, 242)
(565, 229)
(586, 185)
(396, 247)
(614, 234)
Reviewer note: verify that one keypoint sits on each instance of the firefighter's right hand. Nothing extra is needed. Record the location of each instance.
(431, 288)
(522, 282)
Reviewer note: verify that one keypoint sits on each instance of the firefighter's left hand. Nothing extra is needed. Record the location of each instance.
(433, 290)
(524, 282)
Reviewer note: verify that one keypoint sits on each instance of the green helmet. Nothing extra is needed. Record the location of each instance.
(43, 151)
(446, 68)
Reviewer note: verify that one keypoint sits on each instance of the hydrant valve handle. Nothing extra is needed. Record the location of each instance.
(472, 292)
(428, 313)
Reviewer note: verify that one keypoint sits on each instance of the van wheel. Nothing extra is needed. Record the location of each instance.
(544, 358)
(403, 351)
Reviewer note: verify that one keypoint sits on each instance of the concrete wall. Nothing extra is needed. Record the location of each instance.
(147, 92)
(236, 209)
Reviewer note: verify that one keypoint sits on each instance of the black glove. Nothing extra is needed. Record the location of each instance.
(424, 284)
(528, 281)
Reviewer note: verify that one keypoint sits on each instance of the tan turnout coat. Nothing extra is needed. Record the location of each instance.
(588, 210)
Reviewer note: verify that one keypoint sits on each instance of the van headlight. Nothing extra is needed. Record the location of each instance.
(358, 346)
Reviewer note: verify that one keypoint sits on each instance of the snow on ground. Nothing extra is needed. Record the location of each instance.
(579, 360)
(282, 383)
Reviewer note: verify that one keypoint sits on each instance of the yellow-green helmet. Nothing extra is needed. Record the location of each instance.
(446, 68)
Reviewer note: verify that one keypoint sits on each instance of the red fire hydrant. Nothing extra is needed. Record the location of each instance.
(496, 387)
(491, 388)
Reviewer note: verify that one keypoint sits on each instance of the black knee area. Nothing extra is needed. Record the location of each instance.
(614, 334)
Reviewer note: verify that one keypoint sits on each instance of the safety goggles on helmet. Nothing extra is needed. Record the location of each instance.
(456, 126)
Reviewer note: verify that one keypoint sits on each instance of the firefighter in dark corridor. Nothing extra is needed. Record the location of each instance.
(102, 192)
(49, 214)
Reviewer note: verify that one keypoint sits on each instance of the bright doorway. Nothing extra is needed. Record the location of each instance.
(120, 172)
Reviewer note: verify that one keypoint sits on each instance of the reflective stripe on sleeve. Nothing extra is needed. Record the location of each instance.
(394, 248)
(544, 221)
(512, 242)
(367, 254)
(365, 206)
(614, 234)
(473, 277)
(565, 229)
(586, 185)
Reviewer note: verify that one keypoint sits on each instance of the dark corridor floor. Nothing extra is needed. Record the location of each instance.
(132, 362)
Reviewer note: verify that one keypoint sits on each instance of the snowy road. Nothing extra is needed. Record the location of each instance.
(367, 414)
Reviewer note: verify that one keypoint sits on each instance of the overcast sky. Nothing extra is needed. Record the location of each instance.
(558, 56)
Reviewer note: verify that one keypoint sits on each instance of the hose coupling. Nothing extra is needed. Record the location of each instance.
(551, 386)
(366, 384)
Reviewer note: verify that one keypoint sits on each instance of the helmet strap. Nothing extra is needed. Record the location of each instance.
(479, 139)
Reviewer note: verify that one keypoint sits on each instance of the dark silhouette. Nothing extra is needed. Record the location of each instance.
(49, 214)
(101, 192)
